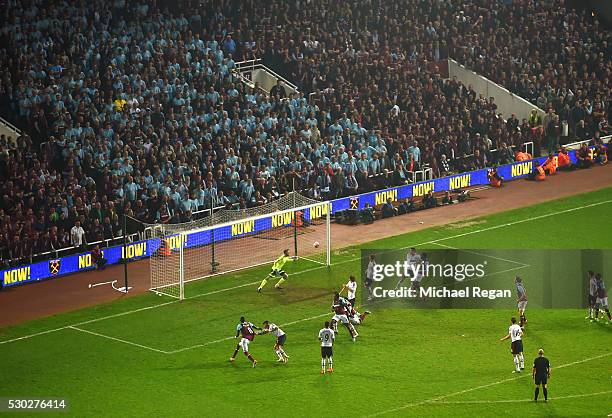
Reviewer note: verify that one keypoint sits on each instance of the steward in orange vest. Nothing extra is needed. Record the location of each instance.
(522, 156)
(538, 174)
(563, 160)
(495, 179)
(550, 166)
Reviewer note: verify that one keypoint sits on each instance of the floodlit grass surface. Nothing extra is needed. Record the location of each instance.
(171, 358)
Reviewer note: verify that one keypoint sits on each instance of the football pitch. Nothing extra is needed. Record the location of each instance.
(154, 356)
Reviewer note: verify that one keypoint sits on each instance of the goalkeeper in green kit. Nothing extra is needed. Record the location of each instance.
(277, 271)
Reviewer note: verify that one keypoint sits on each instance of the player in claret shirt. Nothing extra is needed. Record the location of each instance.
(246, 330)
(602, 298)
(340, 307)
(280, 340)
(592, 295)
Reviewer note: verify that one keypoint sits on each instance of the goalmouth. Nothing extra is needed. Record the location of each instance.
(232, 240)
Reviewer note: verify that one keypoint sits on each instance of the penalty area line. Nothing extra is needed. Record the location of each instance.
(108, 337)
(180, 350)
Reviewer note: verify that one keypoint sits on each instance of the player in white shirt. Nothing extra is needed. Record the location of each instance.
(369, 274)
(416, 280)
(414, 259)
(326, 336)
(355, 317)
(280, 340)
(351, 290)
(515, 334)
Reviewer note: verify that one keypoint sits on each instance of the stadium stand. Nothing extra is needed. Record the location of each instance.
(135, 108)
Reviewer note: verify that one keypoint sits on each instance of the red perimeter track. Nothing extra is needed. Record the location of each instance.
(68, 293)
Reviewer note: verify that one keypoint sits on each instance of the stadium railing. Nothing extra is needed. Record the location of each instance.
(9, 130)
(105, 243)
(506, 101)
(577, 144)
(254, 71)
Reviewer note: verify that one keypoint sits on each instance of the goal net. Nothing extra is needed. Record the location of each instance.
(231, 240)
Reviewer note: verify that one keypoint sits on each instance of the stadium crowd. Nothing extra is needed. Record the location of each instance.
(133, 108)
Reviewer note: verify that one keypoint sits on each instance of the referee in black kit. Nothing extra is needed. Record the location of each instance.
(540, 374)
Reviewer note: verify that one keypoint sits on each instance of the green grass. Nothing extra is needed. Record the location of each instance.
(406, 362)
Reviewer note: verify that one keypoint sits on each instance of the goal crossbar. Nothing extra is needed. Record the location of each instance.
(190, 251)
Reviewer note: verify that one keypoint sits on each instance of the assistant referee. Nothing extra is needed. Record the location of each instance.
(541, 374)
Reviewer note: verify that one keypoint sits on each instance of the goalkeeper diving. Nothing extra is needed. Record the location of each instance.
(277, 271)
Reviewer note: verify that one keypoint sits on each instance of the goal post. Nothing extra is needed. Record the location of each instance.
(233, 240)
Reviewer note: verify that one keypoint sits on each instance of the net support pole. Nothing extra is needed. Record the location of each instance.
(182, 267)
(125, 268)
(213, 262)
(295, 221)
(328, 235)
(295, 232)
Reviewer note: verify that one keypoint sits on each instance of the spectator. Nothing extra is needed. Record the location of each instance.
(388, 210)
(447, 199)
(443, 166)
(278, 91)
(399, 176)
(429, 201)
(351, 185)
(582, 131)
(504, 154)
(367, 214)
(108, 113)
(553, 133)
(97, 258)
(406, 206)
(77, 236)
(583, 156)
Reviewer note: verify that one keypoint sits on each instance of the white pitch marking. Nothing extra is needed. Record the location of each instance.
(180, 350)
(112, 282)
(121, 289)
(117, 339)
(316, 268)
(556, 398)
(483, 255)
(461, 392)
